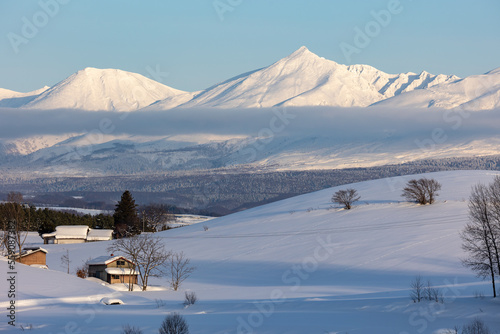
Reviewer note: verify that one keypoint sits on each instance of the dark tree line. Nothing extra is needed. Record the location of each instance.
(45, 220)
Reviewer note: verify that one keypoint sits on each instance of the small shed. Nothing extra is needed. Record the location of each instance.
(67, 234)
(113, 269)
(32, 256)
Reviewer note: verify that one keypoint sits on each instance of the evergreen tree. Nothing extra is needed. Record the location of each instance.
(125, 216)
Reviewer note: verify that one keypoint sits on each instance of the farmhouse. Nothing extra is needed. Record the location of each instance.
(32, 256)
(113, 269)
(74, 234)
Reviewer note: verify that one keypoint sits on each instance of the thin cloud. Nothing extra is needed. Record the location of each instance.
(342, 123)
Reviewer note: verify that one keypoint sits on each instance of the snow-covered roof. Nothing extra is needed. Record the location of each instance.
(30, 250)
(99, 235)
(69, 232)
(34, 249)
(105, 260)
(121, 271)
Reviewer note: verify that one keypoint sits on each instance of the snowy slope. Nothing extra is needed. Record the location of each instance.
(172, 102)
(305, 79)
(476, 92)
(103, 89)
(12, 99)
(301, 265)
(32, 144)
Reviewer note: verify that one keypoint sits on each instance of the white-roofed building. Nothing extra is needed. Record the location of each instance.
(99, 235)
(74, 234)
(113, 269)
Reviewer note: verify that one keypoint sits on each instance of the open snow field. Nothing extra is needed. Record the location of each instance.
(301, 265)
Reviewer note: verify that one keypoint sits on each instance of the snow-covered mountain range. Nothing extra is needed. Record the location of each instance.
(305, 79)
(185, 137)
(300, 79)
(476, 92)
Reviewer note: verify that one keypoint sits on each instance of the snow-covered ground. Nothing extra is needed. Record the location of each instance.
(184, 220)
(301, 265)
(92, 212)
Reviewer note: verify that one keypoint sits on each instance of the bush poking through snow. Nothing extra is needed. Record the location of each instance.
(127, 329)
(83, 270)
(174, 324)
(159, 303)
(346, 198)
(190, 298)
(476, 326)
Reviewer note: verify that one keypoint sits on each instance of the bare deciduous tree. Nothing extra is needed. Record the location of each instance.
(148, 253)
(156, 216)
(65, 261)
(481, 237)
(417, 289)
(16, 221)
(423, 191)
(180, 269)
(174, 324)
(346, 197)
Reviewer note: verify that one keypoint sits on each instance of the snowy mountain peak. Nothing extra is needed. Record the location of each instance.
(305, 57)
(305, 79)
(301, 52)
(103, 89)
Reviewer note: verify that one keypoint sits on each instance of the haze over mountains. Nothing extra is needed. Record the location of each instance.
(300, 79)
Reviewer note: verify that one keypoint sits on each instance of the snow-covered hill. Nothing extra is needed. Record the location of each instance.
(305, 79)
(301, 265)
(103, 89)
(476, 92)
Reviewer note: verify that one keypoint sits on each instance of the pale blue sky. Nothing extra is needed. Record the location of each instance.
(189, 40)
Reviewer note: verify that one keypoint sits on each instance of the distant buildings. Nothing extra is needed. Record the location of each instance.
(74, 234)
